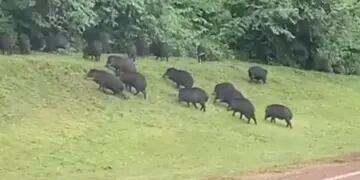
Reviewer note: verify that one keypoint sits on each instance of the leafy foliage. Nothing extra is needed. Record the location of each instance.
(290, 32)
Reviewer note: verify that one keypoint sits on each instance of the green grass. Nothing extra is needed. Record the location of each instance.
(56, 125)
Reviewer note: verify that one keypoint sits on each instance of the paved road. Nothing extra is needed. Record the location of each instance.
(349, 170)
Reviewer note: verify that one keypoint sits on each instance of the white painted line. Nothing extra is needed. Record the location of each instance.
(344, 176)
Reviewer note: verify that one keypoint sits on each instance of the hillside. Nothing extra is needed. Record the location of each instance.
(56, 125)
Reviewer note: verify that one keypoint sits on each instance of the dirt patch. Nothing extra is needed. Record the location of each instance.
(313, 170)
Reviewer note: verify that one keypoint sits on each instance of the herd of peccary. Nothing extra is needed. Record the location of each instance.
(227, 93)
(22, 43)
(124, 76)
(95, 43)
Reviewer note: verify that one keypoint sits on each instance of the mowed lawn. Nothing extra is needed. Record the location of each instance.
(54, 124)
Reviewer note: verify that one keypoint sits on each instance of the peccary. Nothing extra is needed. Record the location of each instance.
(221, 88)
(160, 50)
(244, 107)
(37, 39)
(50, 42)
(99, 34)
(55, 41)
(61, 40)
(257, 73)
(135, 80)
(180, 77)
(225, 92)
(119, 63)
(229, 95)
(7, 43)
(93, 49)
(280, 112)
(193, 95)
(338, 68)
(107, 81)
(131, 51)
(201, 53)
(24, 44)
(142, 48)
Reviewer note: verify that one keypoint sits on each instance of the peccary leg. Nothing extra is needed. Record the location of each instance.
(233, 114)
(228, 108)
(178, 85)
(266, 117)
(195, 105)
(248, 120)
(255, 120)
(273, 120)
(128, 87)
(137, 92)
(288, 124)
(203, 107)
(188, 104)
(101, 88)
(251, 79)
(144, 93)
(241, 115)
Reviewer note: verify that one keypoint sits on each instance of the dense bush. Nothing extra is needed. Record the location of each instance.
(289, 32)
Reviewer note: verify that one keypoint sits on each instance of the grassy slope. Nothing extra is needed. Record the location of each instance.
(56, 125)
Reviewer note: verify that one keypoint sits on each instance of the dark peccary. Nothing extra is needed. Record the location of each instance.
(50, 42)
(221, 87)
(93, 50)
(120, 63)
(160, 50)
(91, 34)
(7, 43)
(193, 95)
(225, 92)
(244, 107)
(131, 52)
(338, 68)
(229, 95)
(257, 73)
(24, 44)
(61, 41)
(134, 80)
(56, 41)
(201, 53)
(280, 112)
(142, 48)
(180, 77)
(38, 42)
(97, 34)
(107, 81)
